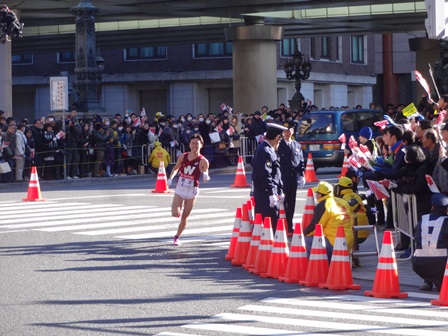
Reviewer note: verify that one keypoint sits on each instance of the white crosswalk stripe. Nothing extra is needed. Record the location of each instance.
(329, 315)
(114, 220)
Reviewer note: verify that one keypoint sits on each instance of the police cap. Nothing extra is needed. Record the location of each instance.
(439, 200)
(289, 124)
(274, 130)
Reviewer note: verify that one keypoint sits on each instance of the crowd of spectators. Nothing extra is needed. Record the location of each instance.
(105, 147)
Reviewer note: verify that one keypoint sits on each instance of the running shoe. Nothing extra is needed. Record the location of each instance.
(176, 241)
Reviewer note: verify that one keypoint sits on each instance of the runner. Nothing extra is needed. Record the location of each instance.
(191, 165)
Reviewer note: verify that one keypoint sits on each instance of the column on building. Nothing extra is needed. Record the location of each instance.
(426, 51)
(390, 80)
(254, 66)
(6, 78)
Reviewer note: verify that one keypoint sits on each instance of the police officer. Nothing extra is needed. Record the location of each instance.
(292, 168)
(431, 239)
(266, 175)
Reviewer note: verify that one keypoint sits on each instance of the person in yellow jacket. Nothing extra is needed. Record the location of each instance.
(331, 212)
(344, 190)
(159, 154)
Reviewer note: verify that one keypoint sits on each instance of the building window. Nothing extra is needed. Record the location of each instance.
(357, 49)
(66, 57)
(289, 47)
(145, 53)
(219, 49)
(325, 47)
(22, 59)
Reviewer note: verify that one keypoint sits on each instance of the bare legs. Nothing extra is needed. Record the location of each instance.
(176, 211)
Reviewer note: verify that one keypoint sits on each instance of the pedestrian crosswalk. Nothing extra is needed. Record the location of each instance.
(114, 220)
(327, 315)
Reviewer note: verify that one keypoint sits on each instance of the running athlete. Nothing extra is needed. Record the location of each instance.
(191, 165)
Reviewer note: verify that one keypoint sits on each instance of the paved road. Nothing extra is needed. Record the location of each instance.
(97, 259)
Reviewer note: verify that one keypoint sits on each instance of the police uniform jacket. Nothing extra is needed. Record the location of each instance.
(431, 242)
(266, 175)
(291, 160)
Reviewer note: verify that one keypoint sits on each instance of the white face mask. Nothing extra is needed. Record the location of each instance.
(120, 128)
(174, 126)
(201, 119)
(188, 131)
(208, 122)
(189, 118)
(162, 124)
(196, 129)
(182, 119)
(107, 123)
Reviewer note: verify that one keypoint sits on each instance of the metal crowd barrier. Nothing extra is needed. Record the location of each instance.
(248, 147)
(404, 213)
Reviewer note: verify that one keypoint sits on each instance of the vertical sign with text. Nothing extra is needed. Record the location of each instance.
(59, 93)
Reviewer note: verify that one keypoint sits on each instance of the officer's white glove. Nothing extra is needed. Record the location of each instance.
(170, 181)
(368, 193)
(273, 199)
(301, 182)
(281, 198)
(205, 177)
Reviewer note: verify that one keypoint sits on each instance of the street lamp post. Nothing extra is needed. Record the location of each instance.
(298, 68)
(89, 63)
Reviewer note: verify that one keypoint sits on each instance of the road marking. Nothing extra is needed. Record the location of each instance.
(240, 329)
(97, 196)
(331, 325)
(153, 227)
(344, 306)
(64, 211)
(170, 234)
(343, 316)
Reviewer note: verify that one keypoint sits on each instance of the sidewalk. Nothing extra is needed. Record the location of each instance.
(369, 264)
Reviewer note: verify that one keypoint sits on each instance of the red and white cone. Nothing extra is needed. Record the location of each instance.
(386, 284)
(308, 211)
(279, 254)
(161, 182)
(255, 242)
(317, 271)
(297, 260)
(235, 232)
(34, 194)
(240, 177)
(264, 249)
(340, 273)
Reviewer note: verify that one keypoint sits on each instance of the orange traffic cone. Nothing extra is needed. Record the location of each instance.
(264, 249)
(161, 182)
(310, 173)
(34, 194)
(317, 271)
(240, 177)
(386, 284)
(345, 166)
(235, 232)
(340, 272)
(443, 297)
(255, 242)
(244, 238)
(279, 254)
(250, 211)
(309, 209)
(252, 199)
(297, 261)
